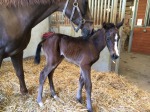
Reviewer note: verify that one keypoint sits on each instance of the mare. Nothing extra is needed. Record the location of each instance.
(82, 53)
(18, 17)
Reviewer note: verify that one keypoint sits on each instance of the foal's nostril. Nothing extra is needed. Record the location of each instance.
(114, 56)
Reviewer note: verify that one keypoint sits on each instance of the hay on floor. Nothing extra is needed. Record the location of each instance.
(110, 92)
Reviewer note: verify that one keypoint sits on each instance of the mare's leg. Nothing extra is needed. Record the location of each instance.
(17, 61)
(1, 59)
(79, 92)
(86, 69)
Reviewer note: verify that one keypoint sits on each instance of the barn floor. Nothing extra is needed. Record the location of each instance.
(136, 68)
(111, 92)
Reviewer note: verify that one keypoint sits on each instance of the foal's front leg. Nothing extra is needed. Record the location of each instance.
(86, 69)
(52, 89)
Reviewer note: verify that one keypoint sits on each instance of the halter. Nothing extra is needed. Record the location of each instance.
(75, 7)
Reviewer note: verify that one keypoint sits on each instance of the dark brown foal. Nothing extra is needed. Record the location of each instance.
(78, 51)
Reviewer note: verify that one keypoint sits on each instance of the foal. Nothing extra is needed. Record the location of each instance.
(81, 52)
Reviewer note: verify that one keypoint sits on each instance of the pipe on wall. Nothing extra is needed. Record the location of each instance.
(134, 14)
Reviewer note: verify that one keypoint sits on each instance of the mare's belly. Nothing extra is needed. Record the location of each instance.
(12, 47)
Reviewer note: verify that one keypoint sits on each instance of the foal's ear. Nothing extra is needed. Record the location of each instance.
(120, 24)
(86, 1)
(104, 25)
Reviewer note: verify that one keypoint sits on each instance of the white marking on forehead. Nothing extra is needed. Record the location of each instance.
(115, 45)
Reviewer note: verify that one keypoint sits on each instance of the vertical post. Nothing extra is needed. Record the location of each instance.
(104, 16)
(101, 18)
(111, 12)
(98, 20)
(95, 12)
(146, 13)
(134, 13)
(108, 11)
(92, 8)
(115, 10)
(120, 32)
(120, 5)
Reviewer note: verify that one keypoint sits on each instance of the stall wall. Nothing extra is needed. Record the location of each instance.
(141, 35)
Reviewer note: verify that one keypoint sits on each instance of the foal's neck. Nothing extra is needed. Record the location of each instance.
(99, 40)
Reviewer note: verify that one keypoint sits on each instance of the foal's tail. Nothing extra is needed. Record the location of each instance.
(38, 52)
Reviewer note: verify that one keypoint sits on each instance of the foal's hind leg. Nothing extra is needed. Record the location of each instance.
(43, 75)
(57, 60)
(17, 61)
(79, 92)
(52, 89)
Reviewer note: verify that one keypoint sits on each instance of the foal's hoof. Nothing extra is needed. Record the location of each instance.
(41, 104)
(58, 99)
(79, 100)
(90, 110)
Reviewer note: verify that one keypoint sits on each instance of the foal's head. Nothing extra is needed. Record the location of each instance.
(112, 38)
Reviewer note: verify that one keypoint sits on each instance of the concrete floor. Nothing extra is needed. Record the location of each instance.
(136, 68)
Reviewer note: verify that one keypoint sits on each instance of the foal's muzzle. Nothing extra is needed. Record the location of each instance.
(114, 56)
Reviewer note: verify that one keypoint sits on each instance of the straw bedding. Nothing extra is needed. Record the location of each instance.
(110, 92)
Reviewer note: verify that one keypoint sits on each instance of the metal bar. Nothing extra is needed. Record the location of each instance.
(101, 14)
(115, 10)
(120, 32)
(120, 7)
(98, 12)
(134, 14)
(112, 6)
(108, 11)
(95, 12)
(90, 5)
(92, 10)
(148, 21)
(104, 16)
(146, 13)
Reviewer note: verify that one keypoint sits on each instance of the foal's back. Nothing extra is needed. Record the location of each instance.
(76, 50)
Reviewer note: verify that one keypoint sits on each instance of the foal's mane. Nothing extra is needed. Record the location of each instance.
(25, 2)
(108, 26)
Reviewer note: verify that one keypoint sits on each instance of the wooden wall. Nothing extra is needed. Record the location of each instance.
(141, 39)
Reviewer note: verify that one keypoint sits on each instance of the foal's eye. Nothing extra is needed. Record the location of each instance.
(107, 39)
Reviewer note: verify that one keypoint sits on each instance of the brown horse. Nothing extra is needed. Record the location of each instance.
(78, 51)
(18, 17)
